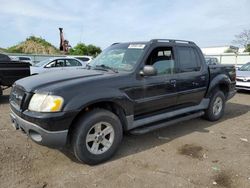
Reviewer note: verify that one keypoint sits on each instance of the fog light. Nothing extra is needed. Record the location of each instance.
(35, 136)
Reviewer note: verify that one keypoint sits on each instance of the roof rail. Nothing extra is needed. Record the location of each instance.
(115, 43)
(172, 41)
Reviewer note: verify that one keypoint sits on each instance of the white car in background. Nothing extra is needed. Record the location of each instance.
(57, 64)
(243, 77)
(24, 59)
(83, 58)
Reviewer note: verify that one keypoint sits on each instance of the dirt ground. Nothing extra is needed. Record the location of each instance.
(196, 153)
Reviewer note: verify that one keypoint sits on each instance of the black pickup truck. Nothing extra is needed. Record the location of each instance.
(130, 87)
(10, 71)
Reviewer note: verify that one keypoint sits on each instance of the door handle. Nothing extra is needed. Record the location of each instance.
(195, 83)
(173, 83)
(203, 78)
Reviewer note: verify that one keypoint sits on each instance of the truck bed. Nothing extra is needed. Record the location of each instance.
(10, 71)
(228, 70)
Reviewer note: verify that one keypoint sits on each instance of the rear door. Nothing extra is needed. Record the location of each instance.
(193, 76)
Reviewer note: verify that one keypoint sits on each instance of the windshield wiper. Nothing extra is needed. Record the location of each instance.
(105, 67)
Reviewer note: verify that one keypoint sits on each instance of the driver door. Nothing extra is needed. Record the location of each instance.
(159, 91)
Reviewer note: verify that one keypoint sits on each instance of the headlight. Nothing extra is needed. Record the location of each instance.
(45, 103)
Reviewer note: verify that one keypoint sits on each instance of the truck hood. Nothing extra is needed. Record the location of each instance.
(54, 79)
(243, 73)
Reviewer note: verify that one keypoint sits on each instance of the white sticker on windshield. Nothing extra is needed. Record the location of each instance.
(136, 46)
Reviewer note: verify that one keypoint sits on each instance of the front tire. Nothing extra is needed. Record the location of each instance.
(216, 106)
(97, 136)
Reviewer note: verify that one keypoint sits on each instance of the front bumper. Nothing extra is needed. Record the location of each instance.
(54, 139)
(243, 85)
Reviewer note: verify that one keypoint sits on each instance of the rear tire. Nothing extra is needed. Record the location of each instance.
(97, 136)
(216, 106)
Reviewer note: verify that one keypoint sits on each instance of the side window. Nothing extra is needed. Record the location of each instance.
(188, 59)
(59, 63)
(51, 64)
(162, 59)
(71, 63)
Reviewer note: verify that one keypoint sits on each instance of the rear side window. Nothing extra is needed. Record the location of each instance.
(72, 63)
(83, 58)
(188, 59)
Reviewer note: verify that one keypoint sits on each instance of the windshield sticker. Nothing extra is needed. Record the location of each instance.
(136, 46)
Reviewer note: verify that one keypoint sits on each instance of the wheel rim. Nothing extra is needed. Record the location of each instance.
(217, 107)
(100, 138)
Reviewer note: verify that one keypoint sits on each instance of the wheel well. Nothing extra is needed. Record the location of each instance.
(224, 88)
(111, 106)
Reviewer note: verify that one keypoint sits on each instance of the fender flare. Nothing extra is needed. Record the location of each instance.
(218, 80)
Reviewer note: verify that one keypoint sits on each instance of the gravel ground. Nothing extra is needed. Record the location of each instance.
(196, 153)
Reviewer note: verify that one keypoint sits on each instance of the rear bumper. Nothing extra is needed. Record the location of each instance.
(231, 94)
(54, 139)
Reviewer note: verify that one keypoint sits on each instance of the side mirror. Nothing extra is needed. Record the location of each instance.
(148, 70)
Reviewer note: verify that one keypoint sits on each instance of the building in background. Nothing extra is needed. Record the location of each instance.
(227, 54)
(217, 50)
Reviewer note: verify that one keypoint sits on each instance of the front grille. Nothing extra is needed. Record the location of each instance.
(242, 80)
(17, 97)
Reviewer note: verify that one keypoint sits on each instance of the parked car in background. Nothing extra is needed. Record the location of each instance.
(243, 77)
(83, 58)
(10, 71)
(56, 64)
(211, 61)
(24, 59)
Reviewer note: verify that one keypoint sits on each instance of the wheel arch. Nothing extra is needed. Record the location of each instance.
(221, 82)
(109, 105)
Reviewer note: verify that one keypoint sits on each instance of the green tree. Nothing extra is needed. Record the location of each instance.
(243, 39)
(83, 49)
(247, 48)
(229, 51)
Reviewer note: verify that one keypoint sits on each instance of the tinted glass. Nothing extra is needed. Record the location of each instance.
(60, 63)
(245, 67)
(162, 60)
(71, 63)
(189, 60)
(121, 57)
(24, 58)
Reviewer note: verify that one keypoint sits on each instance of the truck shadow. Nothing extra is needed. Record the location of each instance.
(135, 144)
(243, 91)
(4, 99)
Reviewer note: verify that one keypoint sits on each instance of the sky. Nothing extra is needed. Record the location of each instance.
(102, 22)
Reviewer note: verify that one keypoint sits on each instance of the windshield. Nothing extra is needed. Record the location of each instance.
(41, 63)
(245, 67)
(120, 57)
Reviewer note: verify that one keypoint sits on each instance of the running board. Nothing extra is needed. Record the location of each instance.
(152, 119)
(146, 129)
